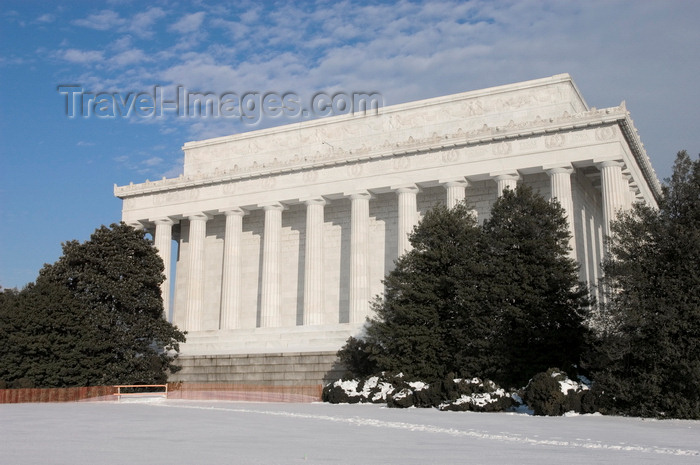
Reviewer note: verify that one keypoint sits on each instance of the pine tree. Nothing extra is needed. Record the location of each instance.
(648, 360)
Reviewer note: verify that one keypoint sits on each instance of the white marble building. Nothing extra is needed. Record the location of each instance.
(283, 235)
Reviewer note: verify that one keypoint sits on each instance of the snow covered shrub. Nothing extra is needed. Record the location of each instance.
(368, 390)
(475, 395)
(355, 356)
(589, 402)
(428, 395)
(404, 398)
(415, 394)
(543, 394)
(449, 394)
(452, 394)
(341, 392)
(553, 393)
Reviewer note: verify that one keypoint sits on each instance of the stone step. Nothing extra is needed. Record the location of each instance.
(326, 338)
(283, 369)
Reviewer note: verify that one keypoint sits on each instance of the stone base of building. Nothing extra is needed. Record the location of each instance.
(316, 338)
(273, 369)
(286, 356)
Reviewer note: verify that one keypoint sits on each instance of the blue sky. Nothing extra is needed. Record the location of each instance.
(57, 173)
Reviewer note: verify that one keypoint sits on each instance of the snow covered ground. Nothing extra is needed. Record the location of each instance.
(191, 432)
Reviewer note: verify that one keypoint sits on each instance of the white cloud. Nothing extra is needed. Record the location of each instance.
(46, 18)
(82, 56)
(102, 21)
(129, 57)
(188, 23)
(122, 43)
(153, 161)
(142, 24)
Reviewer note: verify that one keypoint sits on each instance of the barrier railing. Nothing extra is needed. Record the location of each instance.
(187, 391)
(74, 394)
(245, 392)
(140, 392)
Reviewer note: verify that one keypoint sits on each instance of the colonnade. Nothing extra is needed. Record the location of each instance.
(615, 195)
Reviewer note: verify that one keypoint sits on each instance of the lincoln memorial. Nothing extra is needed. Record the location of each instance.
(281, 237)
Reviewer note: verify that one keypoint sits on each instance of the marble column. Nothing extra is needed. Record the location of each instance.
(614, 189)
(506, 181)
(163, 242)
(270, 311)
(456, 191)
(313, 263)
(231, 272)
(560, 179)
(359, 256)
(195, 275)
(408, 215)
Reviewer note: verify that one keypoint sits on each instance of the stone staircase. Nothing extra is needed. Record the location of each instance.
(290, 356)
(279, 369)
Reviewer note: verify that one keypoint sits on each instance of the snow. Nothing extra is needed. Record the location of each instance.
(567, 384)
(403, 393)
(351, 388)
(197, 432)
(480, 399)
(418, 385)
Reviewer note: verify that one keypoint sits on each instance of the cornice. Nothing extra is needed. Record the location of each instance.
(632, 136)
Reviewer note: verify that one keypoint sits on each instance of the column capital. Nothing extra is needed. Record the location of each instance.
(167, 221)
(272, 206)
(458, 181)
(505, 176)
(358, 194)
(317, 200)
(236, 211)
(406, 188)
(199, 216)
(610, 162)
(456, 189)
(556, 169)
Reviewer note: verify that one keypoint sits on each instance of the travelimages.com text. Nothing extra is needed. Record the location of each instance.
(249, 107)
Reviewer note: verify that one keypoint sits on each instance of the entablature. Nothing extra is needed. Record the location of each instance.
(335, 156)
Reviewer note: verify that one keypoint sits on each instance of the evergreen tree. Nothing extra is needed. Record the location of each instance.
(648, 363)
(414, 327)
(44, 341)
(535, 295)
(500, 301)
(95, 317)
